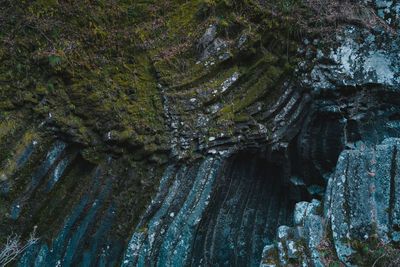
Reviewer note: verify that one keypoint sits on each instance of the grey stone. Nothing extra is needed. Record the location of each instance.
(292, 250)
(313, 230)
(350, 98)
(225, 56)
(315, 259)
(242, 40)
(312, 207)
(361, 199)
(281, 253)
(300, 212)
(228, 82)
(214, 48)
(283, 232)
(207, 37)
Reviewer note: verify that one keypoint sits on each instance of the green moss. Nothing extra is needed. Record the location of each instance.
(242, 118)
(272, 257)
(258, 89)
(85, 68)
(10, 166)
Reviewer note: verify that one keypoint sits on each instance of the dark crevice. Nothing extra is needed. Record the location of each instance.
(244, 212)
(394, 117)
(392, 186)
(346, 194)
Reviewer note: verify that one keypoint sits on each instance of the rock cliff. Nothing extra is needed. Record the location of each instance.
(201, 133)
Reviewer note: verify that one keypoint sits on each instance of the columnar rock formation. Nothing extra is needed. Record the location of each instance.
(224, 143)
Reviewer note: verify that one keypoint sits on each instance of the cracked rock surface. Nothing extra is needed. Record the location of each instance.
(234, 147)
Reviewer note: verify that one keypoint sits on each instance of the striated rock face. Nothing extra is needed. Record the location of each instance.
(358, 219)
(364, 196)
(218, 213)
(224, 143)
(361, 204)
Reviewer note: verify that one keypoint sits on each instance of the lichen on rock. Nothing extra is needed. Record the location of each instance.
(177, 133)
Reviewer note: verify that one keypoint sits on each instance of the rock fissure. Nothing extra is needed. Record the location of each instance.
(392, 200)
(197, 134)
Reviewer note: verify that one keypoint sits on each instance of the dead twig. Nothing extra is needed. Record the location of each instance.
(13, 247)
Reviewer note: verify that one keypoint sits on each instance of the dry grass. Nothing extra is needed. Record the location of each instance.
(328, 17)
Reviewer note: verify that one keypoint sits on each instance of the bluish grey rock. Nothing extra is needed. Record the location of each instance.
(283, 232)
(364, 195)
(68, 246)
(373, 60)
(299, 212)
(51, 157)
(219, 211)
(57, 173)
(313, 230)
(291, 249)
(282, 236)
(308, 230)
(315, 259)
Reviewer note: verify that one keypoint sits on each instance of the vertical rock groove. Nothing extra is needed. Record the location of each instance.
(392, 200)
(246, 207)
